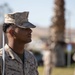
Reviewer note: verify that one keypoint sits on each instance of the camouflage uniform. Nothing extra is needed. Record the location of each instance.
(15, 66)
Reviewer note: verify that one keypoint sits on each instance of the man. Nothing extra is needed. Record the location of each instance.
(18, 61)
(49, 60)
(74, 56)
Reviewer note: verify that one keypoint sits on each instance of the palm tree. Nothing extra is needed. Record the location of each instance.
(57, 30)
(56, 38)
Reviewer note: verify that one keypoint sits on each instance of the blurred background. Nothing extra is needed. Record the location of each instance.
(53, 39)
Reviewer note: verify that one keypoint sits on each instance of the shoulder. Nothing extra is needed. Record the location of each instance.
(29, 54)
(30, 57)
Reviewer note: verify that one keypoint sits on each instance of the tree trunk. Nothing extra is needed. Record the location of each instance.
(57, 31)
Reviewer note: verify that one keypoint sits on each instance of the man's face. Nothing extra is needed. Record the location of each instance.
(23, 34)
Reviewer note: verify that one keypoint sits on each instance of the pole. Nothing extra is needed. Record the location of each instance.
(3, 56)
(70, 46)
(69, 49)
(3, 39)
(69, 59)
(3, 9)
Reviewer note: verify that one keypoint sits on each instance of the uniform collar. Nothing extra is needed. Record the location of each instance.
(11, 53)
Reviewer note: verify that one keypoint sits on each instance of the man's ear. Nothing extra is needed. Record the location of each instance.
(11, 31)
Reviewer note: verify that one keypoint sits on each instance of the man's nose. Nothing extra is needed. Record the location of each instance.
(30, 30)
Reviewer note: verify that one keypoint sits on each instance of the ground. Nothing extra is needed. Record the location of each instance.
(59, 70)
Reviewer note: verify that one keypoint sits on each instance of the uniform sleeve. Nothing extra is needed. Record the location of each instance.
(36, 67)
(33, 69)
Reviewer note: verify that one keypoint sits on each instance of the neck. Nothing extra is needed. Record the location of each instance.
(17, 47)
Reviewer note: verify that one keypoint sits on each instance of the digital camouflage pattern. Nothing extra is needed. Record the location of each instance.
(15, 66)
(19, 19)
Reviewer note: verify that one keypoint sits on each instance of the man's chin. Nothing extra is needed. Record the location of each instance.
(27, 41)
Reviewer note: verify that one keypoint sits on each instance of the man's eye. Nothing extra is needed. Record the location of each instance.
(25, 29)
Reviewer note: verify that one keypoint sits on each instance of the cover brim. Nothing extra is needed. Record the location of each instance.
(27, 25)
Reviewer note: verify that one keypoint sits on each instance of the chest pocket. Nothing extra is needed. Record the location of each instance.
(12, 68)
(30, 68)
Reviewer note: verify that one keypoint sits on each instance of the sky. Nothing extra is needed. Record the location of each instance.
(41, 11)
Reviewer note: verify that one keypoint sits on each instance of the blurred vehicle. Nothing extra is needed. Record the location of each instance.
(38, 56)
